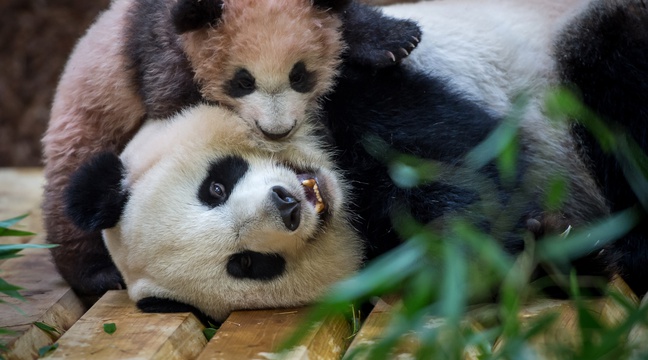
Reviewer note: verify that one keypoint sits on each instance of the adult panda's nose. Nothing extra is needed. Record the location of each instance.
(289, 207)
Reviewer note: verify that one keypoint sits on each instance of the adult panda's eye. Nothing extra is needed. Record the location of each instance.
(246, 261)
(217, 190)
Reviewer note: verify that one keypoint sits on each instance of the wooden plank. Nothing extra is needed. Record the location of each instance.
(138, 335)
(48, 299)
(257, 334)
(564, 331)
(377, 323)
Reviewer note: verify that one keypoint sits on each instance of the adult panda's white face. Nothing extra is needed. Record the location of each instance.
(214, 220)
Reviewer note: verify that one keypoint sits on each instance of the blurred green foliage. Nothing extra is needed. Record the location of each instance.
(441, 274)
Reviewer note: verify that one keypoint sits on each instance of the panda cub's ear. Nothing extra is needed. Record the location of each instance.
(94, 199)
(335, 5)
(190, 15)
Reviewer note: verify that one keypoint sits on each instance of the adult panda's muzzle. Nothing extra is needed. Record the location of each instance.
(289, 207)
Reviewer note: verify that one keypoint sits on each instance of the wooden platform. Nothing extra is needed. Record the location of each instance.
(80, 333)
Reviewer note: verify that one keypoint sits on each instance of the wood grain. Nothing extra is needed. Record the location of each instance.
(138, 335)
(257, 334)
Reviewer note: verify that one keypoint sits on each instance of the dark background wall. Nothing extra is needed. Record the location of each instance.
(36, 37)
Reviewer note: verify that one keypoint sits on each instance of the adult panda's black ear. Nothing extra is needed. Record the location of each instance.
(154, 304)
(94, 199)
(334, 5)
(376, 40)
(190, 15)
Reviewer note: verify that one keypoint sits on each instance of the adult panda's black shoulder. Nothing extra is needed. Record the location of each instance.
(603, 56)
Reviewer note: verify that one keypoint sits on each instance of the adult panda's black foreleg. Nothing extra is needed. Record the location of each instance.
(603, 53)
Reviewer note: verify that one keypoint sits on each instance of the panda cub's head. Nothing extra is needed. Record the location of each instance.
(195, 211)
(269, 61)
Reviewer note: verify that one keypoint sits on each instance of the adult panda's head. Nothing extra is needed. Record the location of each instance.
(196, 212)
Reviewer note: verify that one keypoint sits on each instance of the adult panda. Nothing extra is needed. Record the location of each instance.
(197, 214)
(269, 60)
(410, 111)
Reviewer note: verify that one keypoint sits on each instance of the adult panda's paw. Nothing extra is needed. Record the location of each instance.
(96, 278)
(376, 40)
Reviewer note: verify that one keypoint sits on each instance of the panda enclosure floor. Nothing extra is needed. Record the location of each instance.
(244, 335)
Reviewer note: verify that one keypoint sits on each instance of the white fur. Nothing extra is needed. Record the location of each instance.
(170, 245)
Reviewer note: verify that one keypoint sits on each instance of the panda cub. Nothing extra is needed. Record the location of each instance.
(270, 61)
(198, 214)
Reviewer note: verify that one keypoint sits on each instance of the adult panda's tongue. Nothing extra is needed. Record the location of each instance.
(313, 191)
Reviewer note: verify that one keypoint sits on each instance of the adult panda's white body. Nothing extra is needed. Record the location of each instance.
(266, 241)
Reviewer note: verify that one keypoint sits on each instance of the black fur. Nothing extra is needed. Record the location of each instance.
(375, 116)
(159, 305)
(604, 55)
(256, 266)
(163, 74)
(189, 15)
(375, 40)
(243, 83)
(225, 172)
(301, 80)
(335, 5)
(413, 114)
(94, 198)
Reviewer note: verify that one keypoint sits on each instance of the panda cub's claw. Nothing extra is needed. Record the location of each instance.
(391, 55)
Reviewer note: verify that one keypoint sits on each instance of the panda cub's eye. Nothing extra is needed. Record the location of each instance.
(241, 84)
(217, 190)
(301, 80)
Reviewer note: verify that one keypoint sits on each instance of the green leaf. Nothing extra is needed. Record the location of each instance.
(4, 331)
(584, 241)
(12, 232)
(45, 350)
(10, 222)
(8, 251)
(11, 290)
(209, 333)
(47, 328)
(110, 328)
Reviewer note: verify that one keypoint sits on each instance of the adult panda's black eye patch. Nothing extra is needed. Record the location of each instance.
(222, 175)
(256, 266)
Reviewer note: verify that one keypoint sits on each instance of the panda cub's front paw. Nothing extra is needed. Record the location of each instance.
(376, 40)
(406, 39)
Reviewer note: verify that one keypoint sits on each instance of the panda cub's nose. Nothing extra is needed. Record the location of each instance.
(289, 208)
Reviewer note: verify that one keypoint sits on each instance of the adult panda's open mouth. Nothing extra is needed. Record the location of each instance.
(315, 192)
